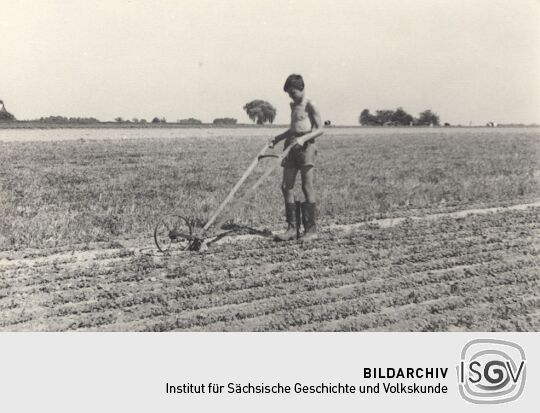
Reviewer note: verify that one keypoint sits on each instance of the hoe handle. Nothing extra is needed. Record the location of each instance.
(307, 137)
(236, 187)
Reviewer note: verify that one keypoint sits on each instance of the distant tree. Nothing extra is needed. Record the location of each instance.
(54, 119)
(364, 117)
(163, 120)
(398, 117)
(427, 118)
(63, 119)
(135, 120)
(155, 120)
(384, 117)
(83, 120)
(189, 121)
(401, 118)
(142, 121)
(260, 111)
(5, 116)
(119, 119)
(367, 119)
(225, 121)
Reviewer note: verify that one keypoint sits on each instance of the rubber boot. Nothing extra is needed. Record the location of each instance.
(309, 211)
(290, 234)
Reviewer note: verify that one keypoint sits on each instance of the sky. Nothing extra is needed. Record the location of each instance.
(467, 60)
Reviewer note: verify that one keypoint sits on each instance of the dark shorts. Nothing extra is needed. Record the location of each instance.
(300, 155)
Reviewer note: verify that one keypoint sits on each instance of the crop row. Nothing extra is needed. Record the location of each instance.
(344, 301)
(168, 297)
(248, 305)
(75, 287)
(324, 285)
(439, 256)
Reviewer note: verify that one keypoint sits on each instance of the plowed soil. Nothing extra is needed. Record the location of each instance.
(456, 272)
(421, 229)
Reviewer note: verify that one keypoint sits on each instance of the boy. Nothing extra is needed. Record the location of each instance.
(305, 118)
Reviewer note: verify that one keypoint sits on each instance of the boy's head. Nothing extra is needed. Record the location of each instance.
(294, 81)
(294, 86)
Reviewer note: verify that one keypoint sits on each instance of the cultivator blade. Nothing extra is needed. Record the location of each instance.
(173, 232)
(198, 244)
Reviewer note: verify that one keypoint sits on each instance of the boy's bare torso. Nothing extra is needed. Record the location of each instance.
(301, 116)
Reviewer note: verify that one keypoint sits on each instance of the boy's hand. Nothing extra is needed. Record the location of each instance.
(299, 141)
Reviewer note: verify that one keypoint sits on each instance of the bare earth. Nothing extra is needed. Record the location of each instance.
(422, 229)
(469, 270)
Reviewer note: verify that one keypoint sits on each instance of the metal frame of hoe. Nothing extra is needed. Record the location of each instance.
(177, 231)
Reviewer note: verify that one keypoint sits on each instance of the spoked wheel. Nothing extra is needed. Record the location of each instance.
(173, 232)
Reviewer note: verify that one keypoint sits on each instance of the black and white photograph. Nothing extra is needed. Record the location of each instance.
(269, 206)
(241, 166)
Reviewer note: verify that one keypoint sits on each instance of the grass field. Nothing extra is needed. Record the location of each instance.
(76, 251)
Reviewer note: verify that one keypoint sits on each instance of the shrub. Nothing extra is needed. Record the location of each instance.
(225, 121)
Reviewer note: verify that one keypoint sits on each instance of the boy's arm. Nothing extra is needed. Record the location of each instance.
(280, 137)
(314, 117)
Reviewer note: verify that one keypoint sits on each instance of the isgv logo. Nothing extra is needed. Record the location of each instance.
(491, 371)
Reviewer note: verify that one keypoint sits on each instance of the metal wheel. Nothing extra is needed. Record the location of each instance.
(173, 232)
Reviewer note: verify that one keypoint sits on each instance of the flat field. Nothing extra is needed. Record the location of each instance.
(398, 249)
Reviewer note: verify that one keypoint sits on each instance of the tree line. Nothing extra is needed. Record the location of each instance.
(398, 117)
(261, 112)
(5, 116)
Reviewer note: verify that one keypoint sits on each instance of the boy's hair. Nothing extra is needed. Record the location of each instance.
(294, 81)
